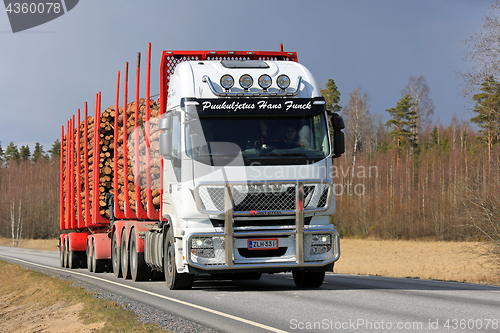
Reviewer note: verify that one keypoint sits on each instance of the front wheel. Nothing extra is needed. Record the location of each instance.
(175, 280)
(308, 279)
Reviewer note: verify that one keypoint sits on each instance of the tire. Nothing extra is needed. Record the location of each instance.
(61, 254)
(98, 264)
(89, 258)
(73, 260)
(139, 270)
(124, 255)
(66, 264)
(174, 280)
(308, 279)
(83, 259)
(115, 256)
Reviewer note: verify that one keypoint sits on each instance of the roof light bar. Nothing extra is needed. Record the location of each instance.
(208, 81)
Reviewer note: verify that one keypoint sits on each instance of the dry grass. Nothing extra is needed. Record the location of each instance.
(37, 244)
(449, 261)
(34, 302)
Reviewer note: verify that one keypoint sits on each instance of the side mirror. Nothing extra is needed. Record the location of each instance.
(165, 138)
(338, 143)
(165, 123)
(338, 135)
(166, 145)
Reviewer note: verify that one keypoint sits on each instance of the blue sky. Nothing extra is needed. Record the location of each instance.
(48, 72)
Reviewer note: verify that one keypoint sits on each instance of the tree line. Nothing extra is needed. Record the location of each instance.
(29, 192)
(432, 180)
(13, 154)
(412, 178)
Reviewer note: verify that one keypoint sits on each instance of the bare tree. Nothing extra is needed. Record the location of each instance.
(16, 224)
(423, 105)
(478, 206)
(483, 50)
(358, 123)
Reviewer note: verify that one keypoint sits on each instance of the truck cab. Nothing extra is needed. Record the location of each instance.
(247, 182)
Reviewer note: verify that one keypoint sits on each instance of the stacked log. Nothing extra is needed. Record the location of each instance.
(139, 176)
(104, 170)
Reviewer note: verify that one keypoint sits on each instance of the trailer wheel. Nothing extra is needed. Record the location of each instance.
(138, 267)
(66, 265)
(308, 279)
(61, 253)
(124, 256)
(73, 260)
(175, 281)
(98, 264)
(83, 259)
(115, 256)
(89, 258)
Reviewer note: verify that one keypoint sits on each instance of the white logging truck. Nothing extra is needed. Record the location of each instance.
(227, 174)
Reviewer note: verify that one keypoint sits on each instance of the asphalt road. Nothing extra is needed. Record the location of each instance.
(345, 303)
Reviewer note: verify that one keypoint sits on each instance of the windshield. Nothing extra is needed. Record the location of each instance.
(266, 140)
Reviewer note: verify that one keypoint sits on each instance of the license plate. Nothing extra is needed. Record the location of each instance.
(262, 244)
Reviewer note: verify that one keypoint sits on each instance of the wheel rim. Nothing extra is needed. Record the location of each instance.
(170, 264)
(94, 258)
(89, 258)
(133, 263)
(61, 255)
(65, 256)
(114, 254)
(123, 250)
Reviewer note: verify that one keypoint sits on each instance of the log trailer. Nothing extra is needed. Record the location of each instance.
(204, 181)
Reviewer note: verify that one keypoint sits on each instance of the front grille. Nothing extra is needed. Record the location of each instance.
(270, 197)
(255, 222)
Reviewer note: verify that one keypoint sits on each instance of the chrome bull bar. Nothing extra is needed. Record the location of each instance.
(299, 232)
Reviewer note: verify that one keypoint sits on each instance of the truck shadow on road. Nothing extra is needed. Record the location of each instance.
(284, 282)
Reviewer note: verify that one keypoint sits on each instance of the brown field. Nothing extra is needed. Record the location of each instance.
(37, 244)
(449, 261)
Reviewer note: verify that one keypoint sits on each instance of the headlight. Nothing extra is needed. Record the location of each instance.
(207, 250)
(319, 247)
(265, 81)
(246, 81)
(204, 253)
(227, 81)
(320, 244)
(200, 243)
(283, 81)
(320, 239)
